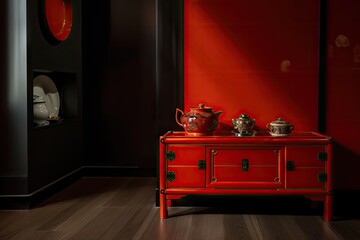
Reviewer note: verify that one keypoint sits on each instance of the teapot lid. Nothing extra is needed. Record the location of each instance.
(202, 107)
(244, 116)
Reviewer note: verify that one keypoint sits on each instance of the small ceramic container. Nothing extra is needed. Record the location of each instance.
(280, 127)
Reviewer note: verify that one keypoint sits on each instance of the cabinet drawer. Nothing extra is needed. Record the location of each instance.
(185, 177)
(255, 156)
(184, 154)
(245, 167)
(306, 178)
(314, 156)
(255, 173)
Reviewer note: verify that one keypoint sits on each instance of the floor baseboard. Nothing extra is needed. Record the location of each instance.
(27, 201)
(115, 171)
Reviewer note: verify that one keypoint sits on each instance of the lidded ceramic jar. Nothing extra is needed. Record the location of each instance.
(280, 127)
(200, 120)
(41, 113)
(244, 124)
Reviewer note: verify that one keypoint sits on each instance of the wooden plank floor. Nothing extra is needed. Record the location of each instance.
(124, 208)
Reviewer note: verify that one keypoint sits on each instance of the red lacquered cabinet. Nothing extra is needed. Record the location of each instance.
(223, 164)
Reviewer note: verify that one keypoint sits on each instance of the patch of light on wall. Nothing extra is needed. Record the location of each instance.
(16, 51)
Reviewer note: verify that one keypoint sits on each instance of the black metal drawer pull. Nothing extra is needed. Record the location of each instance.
(290, 165)
(245, 165)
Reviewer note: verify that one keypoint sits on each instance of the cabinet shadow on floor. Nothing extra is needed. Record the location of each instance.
(345, 206)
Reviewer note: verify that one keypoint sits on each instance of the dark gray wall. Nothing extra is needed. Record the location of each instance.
(132, 80)
(108, 69)
(32, 157)
(119, 83)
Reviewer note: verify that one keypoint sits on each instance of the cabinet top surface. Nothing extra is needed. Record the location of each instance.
(230, 137)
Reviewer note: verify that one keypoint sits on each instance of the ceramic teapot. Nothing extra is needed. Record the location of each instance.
(280, 127)
(243, 123)
(199, 121)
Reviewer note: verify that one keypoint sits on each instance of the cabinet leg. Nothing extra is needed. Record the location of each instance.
(328, 208)
(163, 206)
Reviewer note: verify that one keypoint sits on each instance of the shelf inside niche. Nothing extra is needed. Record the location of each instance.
(67, 86)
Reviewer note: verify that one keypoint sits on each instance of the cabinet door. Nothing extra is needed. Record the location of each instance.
(306, 167)
(244, 167)
(185, 166)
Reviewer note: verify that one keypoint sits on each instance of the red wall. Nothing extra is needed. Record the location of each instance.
(343, 90)
(233, 52)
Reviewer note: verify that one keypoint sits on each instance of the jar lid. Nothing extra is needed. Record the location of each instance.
(280, 121)
(38, 99)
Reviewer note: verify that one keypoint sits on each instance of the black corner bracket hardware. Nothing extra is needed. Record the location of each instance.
(170, 176)
(322, 156)
(170, 155)
(322, 177)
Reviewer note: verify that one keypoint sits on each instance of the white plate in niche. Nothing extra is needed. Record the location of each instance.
(44, 86)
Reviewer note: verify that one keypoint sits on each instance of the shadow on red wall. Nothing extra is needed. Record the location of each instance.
(343, 88)
(346, 171)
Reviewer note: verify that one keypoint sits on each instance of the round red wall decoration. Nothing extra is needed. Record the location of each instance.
(58, 15)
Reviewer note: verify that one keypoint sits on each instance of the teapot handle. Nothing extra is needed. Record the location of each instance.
(176, 116)
(292, 127)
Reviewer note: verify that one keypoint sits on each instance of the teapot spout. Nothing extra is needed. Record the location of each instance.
(217, 113)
